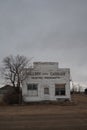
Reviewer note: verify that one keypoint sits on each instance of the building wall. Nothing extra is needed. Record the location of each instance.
(47, 74)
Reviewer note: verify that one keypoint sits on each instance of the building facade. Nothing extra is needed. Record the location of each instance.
(46, 81)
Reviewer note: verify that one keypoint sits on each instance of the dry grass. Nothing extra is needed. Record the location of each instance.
(46, 117)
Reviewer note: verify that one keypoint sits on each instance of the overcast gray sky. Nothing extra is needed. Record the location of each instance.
(48, 30)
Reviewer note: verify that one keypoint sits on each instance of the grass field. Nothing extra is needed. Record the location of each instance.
(69, 116)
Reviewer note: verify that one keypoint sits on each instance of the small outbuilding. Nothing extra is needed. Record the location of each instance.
(5, 90)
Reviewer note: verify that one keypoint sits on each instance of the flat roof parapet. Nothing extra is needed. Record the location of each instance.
(45, 63)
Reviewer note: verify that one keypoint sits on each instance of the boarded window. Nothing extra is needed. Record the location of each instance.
(46, 90)
(59, 89)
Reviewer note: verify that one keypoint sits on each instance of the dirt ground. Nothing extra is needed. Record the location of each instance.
(65, 116)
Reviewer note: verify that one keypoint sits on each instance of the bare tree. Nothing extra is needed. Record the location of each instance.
(15, 69)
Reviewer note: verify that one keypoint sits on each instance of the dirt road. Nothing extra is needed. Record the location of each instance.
(46, 117)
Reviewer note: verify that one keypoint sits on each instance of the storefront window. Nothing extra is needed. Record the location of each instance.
(59, 89)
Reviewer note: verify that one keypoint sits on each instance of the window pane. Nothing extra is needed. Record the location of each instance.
(29, 86)
(56, 92)
(62, 92)
(34, 86)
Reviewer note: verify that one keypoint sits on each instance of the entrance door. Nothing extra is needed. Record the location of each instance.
(46, 93)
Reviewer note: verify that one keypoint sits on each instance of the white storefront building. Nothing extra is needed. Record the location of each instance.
(46, 81)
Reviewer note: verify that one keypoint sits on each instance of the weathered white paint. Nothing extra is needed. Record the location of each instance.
(46, 74)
